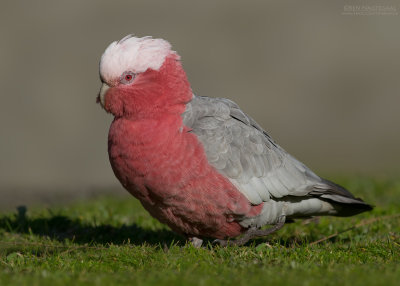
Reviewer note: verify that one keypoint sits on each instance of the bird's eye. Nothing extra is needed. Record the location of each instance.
(127, 77)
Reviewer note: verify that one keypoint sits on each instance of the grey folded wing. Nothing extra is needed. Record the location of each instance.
(242, 151)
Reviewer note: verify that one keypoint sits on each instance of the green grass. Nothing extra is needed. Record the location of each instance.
(113, 241)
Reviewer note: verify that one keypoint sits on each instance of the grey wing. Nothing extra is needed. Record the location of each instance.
(242, 151)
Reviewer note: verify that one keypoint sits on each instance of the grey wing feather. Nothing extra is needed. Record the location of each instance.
(242, 151)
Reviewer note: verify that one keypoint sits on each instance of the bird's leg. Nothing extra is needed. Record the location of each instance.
(252, 233)
(196, 242)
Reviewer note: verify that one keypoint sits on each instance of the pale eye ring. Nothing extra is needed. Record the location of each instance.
(127, 77)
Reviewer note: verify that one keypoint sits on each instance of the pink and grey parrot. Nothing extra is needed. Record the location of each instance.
(198, 164)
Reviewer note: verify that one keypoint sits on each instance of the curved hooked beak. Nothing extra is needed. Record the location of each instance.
(102, 94)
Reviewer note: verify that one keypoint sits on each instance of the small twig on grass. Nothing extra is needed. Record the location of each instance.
(362, 223)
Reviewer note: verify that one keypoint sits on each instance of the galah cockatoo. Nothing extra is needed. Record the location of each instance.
(198, 164)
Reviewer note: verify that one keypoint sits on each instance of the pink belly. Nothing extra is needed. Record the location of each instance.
(169, 173)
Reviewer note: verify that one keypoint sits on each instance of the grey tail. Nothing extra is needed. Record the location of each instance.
(340, 198)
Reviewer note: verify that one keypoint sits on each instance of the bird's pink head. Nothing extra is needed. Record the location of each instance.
(142, 78)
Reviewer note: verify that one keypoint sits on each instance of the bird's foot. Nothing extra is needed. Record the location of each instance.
(252, 233)
(196, 242)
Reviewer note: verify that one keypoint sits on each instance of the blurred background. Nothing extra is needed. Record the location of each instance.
(321, 77)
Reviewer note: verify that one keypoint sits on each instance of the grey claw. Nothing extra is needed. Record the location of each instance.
(197, 242)
(220, 242)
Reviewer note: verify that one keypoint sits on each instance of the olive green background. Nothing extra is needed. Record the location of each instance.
(326, 86)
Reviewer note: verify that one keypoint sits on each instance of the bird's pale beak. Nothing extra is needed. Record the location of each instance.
(102, 94)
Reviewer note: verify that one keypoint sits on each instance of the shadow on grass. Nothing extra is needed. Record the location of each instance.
(62, 228)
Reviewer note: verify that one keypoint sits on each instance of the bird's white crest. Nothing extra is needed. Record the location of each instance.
(133, 54)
